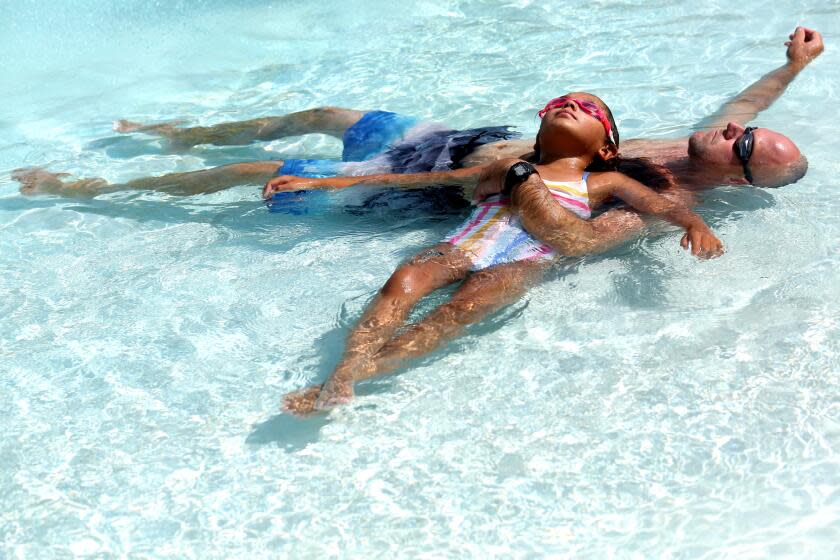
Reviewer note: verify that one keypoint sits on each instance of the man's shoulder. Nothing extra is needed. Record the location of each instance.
(657, 149)
(655, 144)
(498, 150)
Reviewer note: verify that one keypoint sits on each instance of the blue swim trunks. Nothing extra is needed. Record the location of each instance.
(385, 142)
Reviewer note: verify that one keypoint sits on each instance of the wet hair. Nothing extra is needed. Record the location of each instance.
(641, 169)
(790, 174)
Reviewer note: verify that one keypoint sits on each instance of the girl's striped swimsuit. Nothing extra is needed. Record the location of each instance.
(494, 235)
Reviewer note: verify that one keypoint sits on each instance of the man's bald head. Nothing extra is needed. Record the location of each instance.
(775, 159)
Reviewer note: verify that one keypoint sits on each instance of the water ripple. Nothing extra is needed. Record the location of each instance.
(638, 403)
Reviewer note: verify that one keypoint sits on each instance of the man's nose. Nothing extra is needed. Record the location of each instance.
(735, 127)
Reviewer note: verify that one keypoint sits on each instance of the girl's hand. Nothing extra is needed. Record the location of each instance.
(702, 242)
(285, 183)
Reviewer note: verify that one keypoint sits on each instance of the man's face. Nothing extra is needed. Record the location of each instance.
(715, 149)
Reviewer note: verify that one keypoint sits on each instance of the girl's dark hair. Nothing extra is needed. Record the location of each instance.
(641, 169)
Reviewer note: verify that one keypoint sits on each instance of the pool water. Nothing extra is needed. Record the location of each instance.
(638, 404)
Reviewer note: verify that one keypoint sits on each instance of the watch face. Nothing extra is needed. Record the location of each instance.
(523, 170)
(517, 173)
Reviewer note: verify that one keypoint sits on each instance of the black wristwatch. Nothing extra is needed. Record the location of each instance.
(517, 174)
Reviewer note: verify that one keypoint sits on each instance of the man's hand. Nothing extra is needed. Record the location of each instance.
(492, 178)
(286, 183)
(702, 242)
(804, 46)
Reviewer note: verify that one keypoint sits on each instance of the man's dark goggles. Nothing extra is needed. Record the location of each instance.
(743, 147)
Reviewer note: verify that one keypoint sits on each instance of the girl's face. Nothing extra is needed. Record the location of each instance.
(577, 121)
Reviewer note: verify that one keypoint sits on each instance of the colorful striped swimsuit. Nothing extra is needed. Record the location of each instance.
(494, 235)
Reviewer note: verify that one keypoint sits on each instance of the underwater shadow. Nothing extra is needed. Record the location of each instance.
(643, 284)
(287, 431)
(248, 223)
(727, 204)
(293, 433)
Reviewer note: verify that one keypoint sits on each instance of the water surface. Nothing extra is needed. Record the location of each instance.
(639, 404)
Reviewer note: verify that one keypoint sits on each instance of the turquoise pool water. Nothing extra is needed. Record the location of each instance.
(639, 404)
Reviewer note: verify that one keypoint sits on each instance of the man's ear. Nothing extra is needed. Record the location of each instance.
(608, 152)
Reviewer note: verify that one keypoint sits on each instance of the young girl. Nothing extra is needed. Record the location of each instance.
(493, 251)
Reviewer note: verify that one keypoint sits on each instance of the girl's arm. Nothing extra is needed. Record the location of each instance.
(547, 220)
(466, 177)
(544, 217)
(697, 236)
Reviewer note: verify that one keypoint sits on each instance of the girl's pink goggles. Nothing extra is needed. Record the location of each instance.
(588, 107)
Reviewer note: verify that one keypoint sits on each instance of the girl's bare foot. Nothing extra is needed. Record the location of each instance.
(302, 402)
(335, 392)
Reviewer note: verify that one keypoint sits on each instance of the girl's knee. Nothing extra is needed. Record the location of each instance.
(406, 281)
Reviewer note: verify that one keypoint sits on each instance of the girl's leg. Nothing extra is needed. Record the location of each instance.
(36, 180)
(483, 293)
(324, 120)
(425, 272)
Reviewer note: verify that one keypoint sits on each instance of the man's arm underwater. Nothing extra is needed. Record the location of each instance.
(804, 46)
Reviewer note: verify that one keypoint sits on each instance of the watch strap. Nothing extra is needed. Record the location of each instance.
(517, 174)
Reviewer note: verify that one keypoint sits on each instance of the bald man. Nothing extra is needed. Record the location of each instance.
(705, 159)
(730, 154)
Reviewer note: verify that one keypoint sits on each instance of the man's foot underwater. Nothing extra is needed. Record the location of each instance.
(37, 180)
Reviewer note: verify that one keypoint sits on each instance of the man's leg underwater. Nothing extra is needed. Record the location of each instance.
(324, 120)
(37, 181)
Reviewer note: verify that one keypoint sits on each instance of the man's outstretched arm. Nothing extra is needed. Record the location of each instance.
(804, 46)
